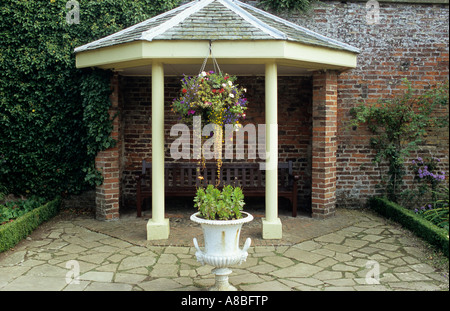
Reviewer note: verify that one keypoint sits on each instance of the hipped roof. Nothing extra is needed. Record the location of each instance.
(216, 20)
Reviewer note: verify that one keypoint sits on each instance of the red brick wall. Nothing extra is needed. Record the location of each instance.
(411, 41)
(324, 144)
(295, 128)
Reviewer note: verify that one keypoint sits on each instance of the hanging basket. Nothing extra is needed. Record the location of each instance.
(212, 95)
(216, 98)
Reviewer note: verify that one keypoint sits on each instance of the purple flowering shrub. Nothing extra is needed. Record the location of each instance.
(428, 175)
(430, 179)
(427, 170)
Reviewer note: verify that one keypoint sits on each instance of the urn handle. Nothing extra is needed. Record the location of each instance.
(247, 244)
(199, 254)
(244, 253)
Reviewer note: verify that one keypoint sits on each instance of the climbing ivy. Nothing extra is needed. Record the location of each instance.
(53, 117)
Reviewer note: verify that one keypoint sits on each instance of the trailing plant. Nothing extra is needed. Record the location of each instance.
(214, 204)
(53, 117)
(398, 125)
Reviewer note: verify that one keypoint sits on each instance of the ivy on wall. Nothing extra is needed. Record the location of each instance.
(54, 117)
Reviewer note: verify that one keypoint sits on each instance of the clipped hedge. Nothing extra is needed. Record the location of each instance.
(424, 229)
(13, 232)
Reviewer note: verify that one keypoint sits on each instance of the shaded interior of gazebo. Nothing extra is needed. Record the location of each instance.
(246, 42)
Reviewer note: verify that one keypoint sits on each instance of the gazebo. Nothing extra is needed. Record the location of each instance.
(243, 40)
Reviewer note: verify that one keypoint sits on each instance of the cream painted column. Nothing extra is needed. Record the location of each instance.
(157, 226)
(272, 228)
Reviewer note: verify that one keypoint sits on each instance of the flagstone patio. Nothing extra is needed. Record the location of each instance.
(354, 251)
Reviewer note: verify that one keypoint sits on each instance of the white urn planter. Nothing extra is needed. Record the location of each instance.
(222, 247)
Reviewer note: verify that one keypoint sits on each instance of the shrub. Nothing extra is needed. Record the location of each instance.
(428, 177)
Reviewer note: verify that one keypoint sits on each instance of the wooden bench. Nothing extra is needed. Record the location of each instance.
(181, 180)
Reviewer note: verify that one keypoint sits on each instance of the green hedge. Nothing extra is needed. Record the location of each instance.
(434, 235)
(13, 232)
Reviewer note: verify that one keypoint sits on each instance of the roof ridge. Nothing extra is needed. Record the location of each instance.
(144, 22)
(231, 4)
(175, 20)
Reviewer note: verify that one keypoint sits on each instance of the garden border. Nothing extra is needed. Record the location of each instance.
(436, 236)
(13, 232)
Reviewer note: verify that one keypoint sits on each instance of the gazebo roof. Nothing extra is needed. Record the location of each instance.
(239, 35)
(216, 20)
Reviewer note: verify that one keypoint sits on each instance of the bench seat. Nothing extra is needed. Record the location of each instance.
(181, 180)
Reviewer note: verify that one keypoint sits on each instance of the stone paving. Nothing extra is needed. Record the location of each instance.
(354, 251)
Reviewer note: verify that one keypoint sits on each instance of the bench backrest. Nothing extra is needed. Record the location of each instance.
(245, 175)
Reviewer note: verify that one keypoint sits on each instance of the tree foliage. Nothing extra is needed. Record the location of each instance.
(54, 117)
(288, 6)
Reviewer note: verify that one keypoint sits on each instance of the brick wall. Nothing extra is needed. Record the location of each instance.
(410, 41)
(108, 162)
(295, 130)
(324, 144)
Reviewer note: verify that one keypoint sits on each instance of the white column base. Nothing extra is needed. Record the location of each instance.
(158, 230)
(272, 230)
